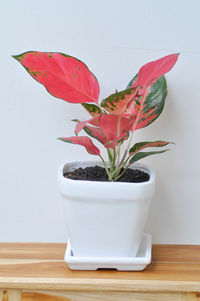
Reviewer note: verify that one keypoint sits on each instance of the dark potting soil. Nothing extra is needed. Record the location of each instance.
(97, 173)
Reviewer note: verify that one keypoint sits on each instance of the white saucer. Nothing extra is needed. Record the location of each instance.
(137, 263)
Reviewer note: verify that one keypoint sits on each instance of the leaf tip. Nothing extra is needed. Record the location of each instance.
(14, 56)
(61, 139)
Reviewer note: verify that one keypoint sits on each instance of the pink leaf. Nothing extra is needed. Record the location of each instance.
(96, 133)
(84, 141)
(81, 124)
(144, 108)
(150, 72)
(113, 143)
(113, 126)
(110, 130)
(62, 75)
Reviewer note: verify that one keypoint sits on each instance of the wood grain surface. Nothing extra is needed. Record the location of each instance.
(36, 271)
(14, 295)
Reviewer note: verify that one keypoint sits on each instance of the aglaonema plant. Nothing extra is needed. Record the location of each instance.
(113, 121)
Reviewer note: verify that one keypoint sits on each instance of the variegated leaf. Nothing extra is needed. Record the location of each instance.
(149, 101)
(121, 139)
(92, 109)
(84, 141)
(141, 145)
(118, 102)
(153, 104)
(95, 132)
(62, 75)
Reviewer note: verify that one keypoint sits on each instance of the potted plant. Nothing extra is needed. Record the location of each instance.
(106, 202)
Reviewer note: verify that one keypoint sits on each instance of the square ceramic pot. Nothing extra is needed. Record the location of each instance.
(105, 219)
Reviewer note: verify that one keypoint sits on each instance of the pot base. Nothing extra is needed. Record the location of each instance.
(137, 263)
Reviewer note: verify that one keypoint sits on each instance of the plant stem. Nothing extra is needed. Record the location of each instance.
(118, 155)
(120, 175)
(111, 159)
(114, 155)
(122, 163)
(106, 168)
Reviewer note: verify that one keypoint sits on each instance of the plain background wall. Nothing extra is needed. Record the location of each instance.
(114, 38)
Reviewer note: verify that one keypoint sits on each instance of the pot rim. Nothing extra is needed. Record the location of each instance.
(76, 164)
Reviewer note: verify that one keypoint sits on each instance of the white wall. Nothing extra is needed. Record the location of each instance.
(114, 38)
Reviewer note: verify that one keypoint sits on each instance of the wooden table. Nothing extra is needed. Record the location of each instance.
(36, 271)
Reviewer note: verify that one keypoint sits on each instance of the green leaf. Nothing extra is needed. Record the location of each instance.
(154, 103)
(95, 133)
(118, 102)
(75, 120)
(142, 155)
(141, 145)
(92, 109)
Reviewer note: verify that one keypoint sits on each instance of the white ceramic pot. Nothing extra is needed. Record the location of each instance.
(105, 219)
